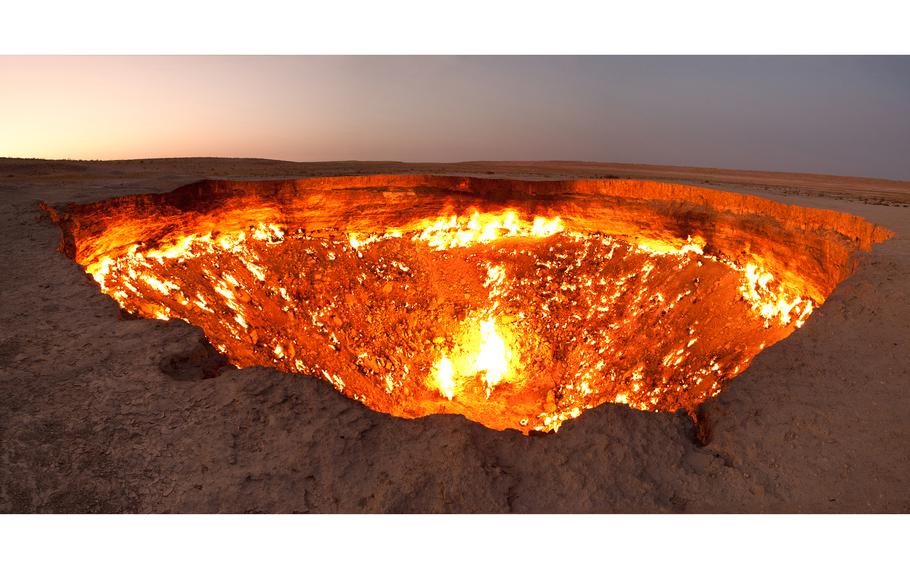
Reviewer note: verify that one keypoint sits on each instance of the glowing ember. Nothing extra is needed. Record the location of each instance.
(511, 318)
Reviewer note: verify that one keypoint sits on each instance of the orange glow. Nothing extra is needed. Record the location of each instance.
(481, 228)
(513, 318)
(480, 353)
(493, 358)
(442, 377)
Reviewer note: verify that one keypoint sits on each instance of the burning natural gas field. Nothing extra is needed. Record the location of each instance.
(516, 304)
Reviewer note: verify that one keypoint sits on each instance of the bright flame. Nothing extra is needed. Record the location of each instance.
(479, 228)
(772, 303)
(486, 356)
(442, 377)
(544, 227)
(493, 359)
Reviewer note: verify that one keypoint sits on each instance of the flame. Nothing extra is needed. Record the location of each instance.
(442, 377)
(493, 359)
(479, 228)
(547, 289)
(779, 303)
(693, 243)
(480, 352)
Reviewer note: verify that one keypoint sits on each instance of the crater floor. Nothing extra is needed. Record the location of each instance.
(113, 414)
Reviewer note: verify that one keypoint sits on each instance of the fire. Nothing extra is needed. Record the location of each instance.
(442, 377)
(517, 321)
(480, 228)
(781, 303)
(480, 355)
(493, 359)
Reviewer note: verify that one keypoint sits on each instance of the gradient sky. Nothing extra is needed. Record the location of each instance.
(838, 115)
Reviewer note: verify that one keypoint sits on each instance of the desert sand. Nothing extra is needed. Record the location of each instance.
(90, 422)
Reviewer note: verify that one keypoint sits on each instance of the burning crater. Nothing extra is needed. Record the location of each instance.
(516, 304)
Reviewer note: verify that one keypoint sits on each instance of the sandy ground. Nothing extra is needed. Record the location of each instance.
(90, 423)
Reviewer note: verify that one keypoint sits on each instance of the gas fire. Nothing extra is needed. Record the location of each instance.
(545, 300)
(514, 318)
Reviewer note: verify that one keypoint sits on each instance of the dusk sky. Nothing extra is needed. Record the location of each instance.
(838, 115)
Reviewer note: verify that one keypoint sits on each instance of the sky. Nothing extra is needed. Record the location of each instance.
(834, 115)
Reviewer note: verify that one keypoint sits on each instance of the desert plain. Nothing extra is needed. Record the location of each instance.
(90, 422)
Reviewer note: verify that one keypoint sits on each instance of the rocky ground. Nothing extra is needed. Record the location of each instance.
(91, 422)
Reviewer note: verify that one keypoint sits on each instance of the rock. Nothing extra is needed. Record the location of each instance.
(198, 360)
(550, 404)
